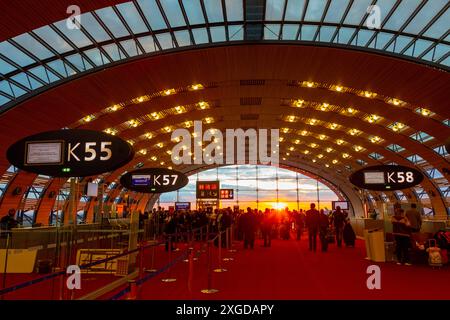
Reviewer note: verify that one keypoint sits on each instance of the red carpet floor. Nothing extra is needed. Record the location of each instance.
(289, 271)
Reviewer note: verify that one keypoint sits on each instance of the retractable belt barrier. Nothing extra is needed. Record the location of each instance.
(89, 265)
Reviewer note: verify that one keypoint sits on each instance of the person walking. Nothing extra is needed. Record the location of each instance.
(312, 223)
(323, 230)
(415, 218)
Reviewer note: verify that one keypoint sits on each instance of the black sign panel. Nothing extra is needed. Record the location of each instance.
(70, 153)
(208, 189)
(226, 194)
(154, 180)
(386, 178)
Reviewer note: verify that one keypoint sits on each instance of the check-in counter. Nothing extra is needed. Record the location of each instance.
(361, 224)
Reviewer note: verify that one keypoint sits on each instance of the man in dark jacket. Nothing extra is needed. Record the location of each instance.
(8, 222)
(249, 227)
(339, 223)
(312, 223)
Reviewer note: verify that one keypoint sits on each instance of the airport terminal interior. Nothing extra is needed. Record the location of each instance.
(224, 149)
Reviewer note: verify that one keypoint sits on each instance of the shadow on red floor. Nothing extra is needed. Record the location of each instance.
(289, 271)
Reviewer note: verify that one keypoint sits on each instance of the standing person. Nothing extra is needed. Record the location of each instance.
(349, 234)
(339, 222)
(8, 222)
(170, 229)
(249, 228)
(299, 222)
(312, 223)
(401, 230)
(266, 228)
(415, 218)
(323, 230)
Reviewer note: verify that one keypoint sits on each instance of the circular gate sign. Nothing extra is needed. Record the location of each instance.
(386, 178)
(70, 153)
(154, 180)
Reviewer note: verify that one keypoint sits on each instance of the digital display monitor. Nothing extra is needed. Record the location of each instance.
(342, 204)
(140, 180)
(44, 153)
(182, 206)
(226, 194)
(374, 177)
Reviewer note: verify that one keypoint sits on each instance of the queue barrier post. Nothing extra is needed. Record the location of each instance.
(169, 278)
(209, 290)
(228, 238)
(220, 269)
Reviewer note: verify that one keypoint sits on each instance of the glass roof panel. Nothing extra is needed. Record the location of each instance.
(446, 61)
(33, 46)
(22, 79)
(344, 35)
(326, 33)
(363, 37)
(336, 11)
(200, 35)
(5, 67)
(235, 10)
(165, 40)
(271, 31)
(382, 39)
(308, 33)
(153, 14)
(79, 62)
(236, 32)
(15, 54)
(112, 22)
(17, 92)
(130, 47)
(59, 67)
(357, 12)
(53, 39)
(173, 13)
(194, 11)
(95, 56)
(91, 25)
(315, 10)
(148, 44)
(218, 34)
(113, 51)
(214, 10)
(131, 15)
(428, 11)
(294, 10)
(440, 26)
(4, 87)
(4, 100)
(183, 38)
(41, 73)
(401, 14)
(290, 31)
(78, 38)
(274, 10)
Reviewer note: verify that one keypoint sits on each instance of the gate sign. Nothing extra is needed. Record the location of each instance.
(154, 180)
(70, 153)
(386, 178)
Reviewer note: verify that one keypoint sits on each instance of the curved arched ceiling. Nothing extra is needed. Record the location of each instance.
(260, 86)
(38, 53)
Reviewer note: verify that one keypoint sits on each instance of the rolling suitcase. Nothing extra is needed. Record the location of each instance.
(434, 254)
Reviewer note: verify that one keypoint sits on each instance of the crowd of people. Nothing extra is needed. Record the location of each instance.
(253, 223)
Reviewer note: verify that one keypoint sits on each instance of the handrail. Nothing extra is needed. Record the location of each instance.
(85, 266)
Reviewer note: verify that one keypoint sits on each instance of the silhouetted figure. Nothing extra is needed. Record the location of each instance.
(414, 217)
(312, 223)
(339, 222)
(401, 230)
(170, 229)
(249, 229)
(349, 234)
(299, 222)
(266, 228)
(8, 222)
(323, 230)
